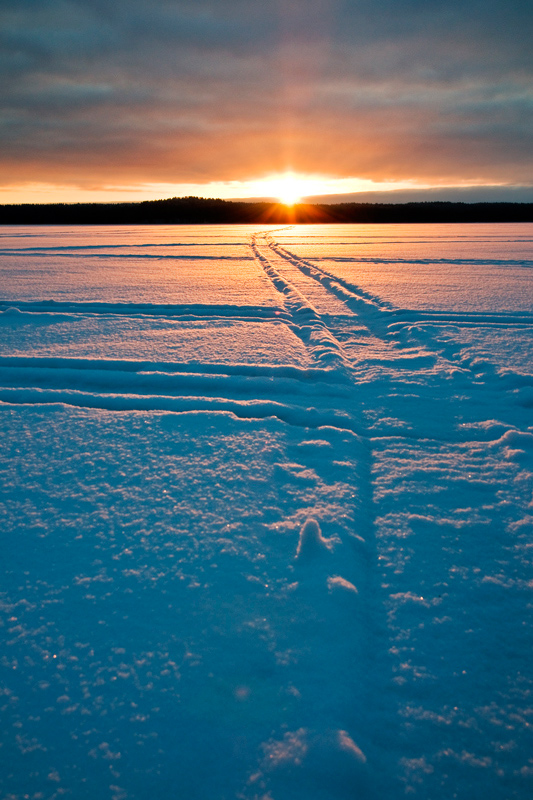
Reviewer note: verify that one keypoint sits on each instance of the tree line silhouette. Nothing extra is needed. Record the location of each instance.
(197, 210)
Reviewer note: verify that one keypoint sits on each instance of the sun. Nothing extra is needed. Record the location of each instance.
(289, 189)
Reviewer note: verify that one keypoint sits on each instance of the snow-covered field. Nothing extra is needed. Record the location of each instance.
(266, 518)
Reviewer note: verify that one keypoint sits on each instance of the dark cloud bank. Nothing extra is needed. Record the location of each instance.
(128, 91)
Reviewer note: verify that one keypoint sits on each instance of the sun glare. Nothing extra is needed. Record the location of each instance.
(290, 190)
(288, 187)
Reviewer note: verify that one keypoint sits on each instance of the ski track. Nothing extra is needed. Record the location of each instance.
(188, 311)
(404, 339)
(367, 401)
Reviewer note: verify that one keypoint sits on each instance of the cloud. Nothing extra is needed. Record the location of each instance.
(172, 91)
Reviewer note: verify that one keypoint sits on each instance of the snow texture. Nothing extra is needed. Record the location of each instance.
(266, 512)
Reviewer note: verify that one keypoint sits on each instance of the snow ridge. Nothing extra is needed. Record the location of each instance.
(187, 311)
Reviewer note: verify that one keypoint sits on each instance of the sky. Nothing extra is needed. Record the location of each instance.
(141, 99)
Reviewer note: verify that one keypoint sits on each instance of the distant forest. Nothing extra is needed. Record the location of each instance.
(196, 210)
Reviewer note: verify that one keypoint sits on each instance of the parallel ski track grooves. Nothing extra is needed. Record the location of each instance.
(297, 416)
(153, 386)
(307, 323)
(377, 625)
(89, 247)
(138, 385)
(407, 317)
(382, 320)
(155, 383)
(377, 316)
(137, 256)
(386, 312)
(305, 374)
(181, 310)
(483, 411)
(355, 298)
(475, 262)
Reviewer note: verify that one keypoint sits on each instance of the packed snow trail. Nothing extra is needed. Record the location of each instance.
(266, 514)
(452, 490)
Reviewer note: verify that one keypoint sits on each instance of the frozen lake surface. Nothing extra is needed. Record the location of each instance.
(266, 513)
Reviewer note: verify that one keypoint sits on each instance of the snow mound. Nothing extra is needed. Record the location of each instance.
(336, 582)
(311, 543)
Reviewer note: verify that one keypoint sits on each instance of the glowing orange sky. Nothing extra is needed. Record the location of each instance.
(155, 99)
